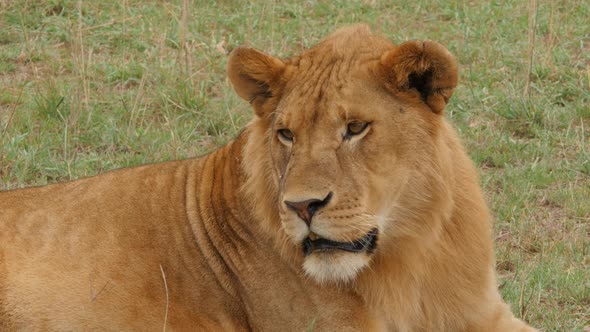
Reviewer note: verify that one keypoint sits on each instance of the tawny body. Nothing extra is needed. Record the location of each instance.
(105, 253)
(348, 203)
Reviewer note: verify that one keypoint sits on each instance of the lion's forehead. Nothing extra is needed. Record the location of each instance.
(321, 79)
(325, 69)
(320, 92)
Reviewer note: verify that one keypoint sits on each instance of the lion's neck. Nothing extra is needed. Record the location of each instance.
(236, 203)
(228, 226)
(222, 204)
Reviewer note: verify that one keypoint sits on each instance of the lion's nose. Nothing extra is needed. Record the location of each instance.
(307, 208)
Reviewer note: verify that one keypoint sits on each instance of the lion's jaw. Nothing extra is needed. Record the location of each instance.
(327, 260)
(335, 266)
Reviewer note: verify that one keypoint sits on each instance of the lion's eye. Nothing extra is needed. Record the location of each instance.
(355, 128)
(285, 135)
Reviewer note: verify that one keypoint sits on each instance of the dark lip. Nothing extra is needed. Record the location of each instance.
(366, 243)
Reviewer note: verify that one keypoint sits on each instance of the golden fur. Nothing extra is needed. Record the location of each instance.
(215, 244)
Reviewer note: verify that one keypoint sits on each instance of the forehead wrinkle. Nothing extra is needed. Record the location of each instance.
(318, 83)
(280, 118)
(343, 112)
(319, 71)
(324, 79)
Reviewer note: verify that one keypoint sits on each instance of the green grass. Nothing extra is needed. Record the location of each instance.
(91, 86)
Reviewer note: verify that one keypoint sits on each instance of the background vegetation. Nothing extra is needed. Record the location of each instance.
(89, 86)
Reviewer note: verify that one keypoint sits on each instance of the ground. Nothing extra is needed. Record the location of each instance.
(87, 87)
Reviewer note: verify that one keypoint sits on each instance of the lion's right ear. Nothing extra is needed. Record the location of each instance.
(256, 77)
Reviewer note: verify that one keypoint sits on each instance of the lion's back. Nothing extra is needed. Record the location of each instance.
(87, 245)
(62, 206)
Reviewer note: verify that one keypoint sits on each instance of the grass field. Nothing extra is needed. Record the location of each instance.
(87, 87)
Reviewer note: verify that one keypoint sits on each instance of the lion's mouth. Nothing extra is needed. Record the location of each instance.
(366, 243)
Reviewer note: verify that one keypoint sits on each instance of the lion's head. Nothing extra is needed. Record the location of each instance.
(344, 149)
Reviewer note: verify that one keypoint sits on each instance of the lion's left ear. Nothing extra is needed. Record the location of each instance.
(424, 70)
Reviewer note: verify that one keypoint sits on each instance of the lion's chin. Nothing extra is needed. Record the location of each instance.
(334, 266)
(332, 261)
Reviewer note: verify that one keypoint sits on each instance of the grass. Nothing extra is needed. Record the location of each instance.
(91, 86)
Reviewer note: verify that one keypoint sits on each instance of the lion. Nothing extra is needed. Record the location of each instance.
(348, 203)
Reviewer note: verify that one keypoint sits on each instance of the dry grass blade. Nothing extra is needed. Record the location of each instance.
(531, 50)
(167, 298)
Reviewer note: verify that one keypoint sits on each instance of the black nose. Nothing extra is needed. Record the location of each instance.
(306, 209)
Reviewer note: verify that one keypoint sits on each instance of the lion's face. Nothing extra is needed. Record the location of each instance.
(344, 137)
(338, 161)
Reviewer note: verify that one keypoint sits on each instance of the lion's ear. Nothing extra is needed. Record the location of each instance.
(421, 69)
(256, 76)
